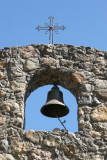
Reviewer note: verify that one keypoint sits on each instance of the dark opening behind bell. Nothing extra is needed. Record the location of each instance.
(55, 106)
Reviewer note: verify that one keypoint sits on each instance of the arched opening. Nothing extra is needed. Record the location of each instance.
(36, 121)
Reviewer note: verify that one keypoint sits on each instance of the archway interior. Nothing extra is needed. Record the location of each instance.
(36, 121)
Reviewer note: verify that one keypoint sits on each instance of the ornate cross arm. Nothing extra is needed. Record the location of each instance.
(50, 28)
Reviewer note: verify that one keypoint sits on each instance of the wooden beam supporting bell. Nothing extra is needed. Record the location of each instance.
(55, 106)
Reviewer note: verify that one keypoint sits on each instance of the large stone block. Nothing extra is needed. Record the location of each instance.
(30, 65)
(47, 61)
(6, 157)
(29, 51)
(52, 141)
(2, 64)
(17, 86)
(95, 134)
(2, 93)
(22, 147)
(33, 136)
(2, 76)
(102, 93)
(38, 154)
(77, 77)
(2, 119)
(99, 114)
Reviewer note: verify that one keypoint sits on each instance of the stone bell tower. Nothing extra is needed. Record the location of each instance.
(81, 70)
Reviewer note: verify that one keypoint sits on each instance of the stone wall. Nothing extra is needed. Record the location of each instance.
(81, 70)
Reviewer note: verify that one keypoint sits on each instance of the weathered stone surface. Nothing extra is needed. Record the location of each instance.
(85, 87)
(85, 99)
(33, 136)
(6, 157)
(22, 147)
(100, 84)
(29, 65)
(102, 93)
(8, 106)
(2, 76)
(77, 77)
(47, 62)
(2, 64)
(2, 93)
(65, 63)
(38, 154)
(4, 144)
(84, 110)
(17, 86)
(29, 51)
(95, 134)
(2, 119)
(99, 114)
(81, 70)
(52, 141)
(70, 150)
(49, 49)
(9, 157)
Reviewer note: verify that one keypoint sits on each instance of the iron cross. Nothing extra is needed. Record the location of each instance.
(50, 28)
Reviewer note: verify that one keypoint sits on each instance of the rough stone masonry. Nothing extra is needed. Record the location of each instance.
(81, 70)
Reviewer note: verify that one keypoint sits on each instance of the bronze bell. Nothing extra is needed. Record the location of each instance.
(55, 106)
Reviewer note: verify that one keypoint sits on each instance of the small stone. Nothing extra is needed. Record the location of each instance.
(47, 61)
(99, 114)
(70, 150)
(85, 87)
(105, 136)
(2, 76)
(85, 99)
(95, 134)
(97, 157)
(2, 64)
(9, 157)
(77, 77)
(22, 147)
(2, 157)
(4, 144)
(100, 84)
(29, 65)
(2, 93)
(65, 63)
(29, 51)
(48, 50)
(33, 136)
(2, 119)
(84, 110)
(102, 93)
(17, 86)
(52, 141)
(38, 154)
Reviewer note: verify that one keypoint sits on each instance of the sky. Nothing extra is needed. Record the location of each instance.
(86, 25)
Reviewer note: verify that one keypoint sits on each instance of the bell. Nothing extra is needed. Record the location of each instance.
(55, 106)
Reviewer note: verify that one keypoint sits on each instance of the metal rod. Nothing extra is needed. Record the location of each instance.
(52, 31)
(49, 36)
(61, 123)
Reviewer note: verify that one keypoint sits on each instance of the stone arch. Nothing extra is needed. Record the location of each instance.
(49, 75)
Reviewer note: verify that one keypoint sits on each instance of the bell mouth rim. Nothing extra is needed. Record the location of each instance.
(54, 102)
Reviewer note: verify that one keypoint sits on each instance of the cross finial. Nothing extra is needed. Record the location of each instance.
(50, 28)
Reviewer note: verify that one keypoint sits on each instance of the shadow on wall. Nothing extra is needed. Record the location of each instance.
(36, 121)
